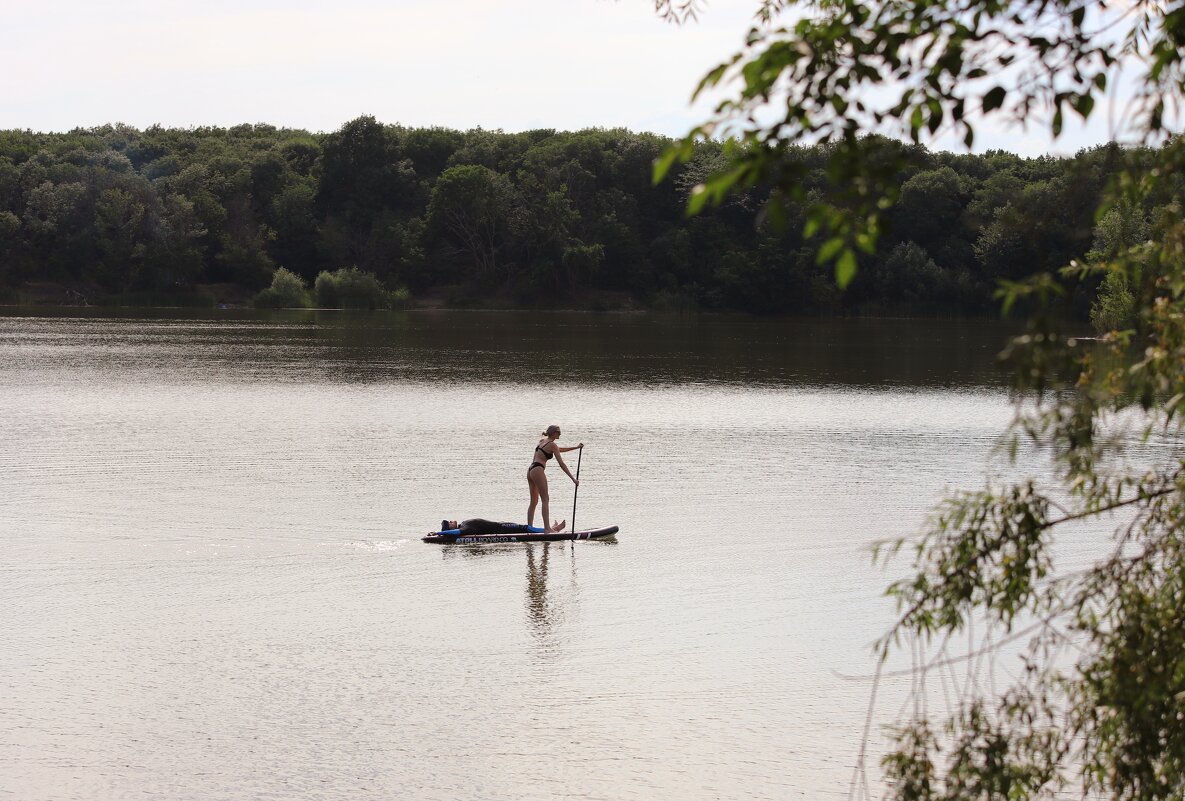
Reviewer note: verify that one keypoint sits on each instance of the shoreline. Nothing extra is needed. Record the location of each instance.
(45, 295)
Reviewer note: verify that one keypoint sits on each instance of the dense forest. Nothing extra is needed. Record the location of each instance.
(540, 218)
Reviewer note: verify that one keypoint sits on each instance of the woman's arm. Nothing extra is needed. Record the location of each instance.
(560, 459)
(573, 448)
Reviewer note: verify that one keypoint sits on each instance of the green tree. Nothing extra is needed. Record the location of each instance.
(364, 179)
(1099, 707)
(474, 211)
(1121, 229)
(10, 245)
(119, 222)
(288, 291)
(581, 216)
(175, 254)
(909, 274)
(56, 217)
(993, 194)
(351, 288)
(929, 208)
(293, 217)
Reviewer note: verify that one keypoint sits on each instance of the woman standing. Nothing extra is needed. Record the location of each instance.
(537, 475)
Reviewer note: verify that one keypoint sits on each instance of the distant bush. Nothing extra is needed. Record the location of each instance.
(351, 288)
(400, 297)
(286, 292)
(1115, 306)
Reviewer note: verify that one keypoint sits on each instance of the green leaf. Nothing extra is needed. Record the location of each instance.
(1156, 118)
(829, 249)
(1083, 104)
(1008, 293)
(663, 163)
(710, 80)
(935, 117)
(845, 268)
(682, 150)
(993, 99)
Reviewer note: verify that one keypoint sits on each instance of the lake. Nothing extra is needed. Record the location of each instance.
(214, 586)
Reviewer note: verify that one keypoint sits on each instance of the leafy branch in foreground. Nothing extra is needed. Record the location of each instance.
(678, 11)
(1096, 707)
(1099, 707)
(848, 68)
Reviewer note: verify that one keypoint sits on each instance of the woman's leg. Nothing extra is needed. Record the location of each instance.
(542, 483)
(534, 498)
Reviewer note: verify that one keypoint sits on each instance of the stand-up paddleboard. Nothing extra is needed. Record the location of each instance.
(455, 537)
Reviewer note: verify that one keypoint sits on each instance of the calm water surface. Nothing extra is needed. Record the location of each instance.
(214, 588)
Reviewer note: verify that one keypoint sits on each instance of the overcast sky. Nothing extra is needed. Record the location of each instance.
(510, 65)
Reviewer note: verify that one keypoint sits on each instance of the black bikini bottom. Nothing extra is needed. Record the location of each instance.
(534, 465)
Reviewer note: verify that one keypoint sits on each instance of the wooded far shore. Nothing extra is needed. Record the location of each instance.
(376, 215)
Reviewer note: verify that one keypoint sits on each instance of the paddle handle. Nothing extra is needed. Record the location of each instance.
(576, 491)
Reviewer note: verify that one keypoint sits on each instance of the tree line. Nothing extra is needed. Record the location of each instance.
(534, 219)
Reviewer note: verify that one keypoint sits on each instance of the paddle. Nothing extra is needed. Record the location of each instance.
(576, 491)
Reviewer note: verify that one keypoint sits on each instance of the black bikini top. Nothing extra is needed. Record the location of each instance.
(545, 453)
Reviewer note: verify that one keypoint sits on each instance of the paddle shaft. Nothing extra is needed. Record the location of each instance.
(576, 491)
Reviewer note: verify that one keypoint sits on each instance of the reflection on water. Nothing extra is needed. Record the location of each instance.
(546, 608)
(458, 348)
(541, 618)
(214, 585)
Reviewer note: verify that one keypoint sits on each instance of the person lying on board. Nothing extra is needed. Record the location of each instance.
(478, 525)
